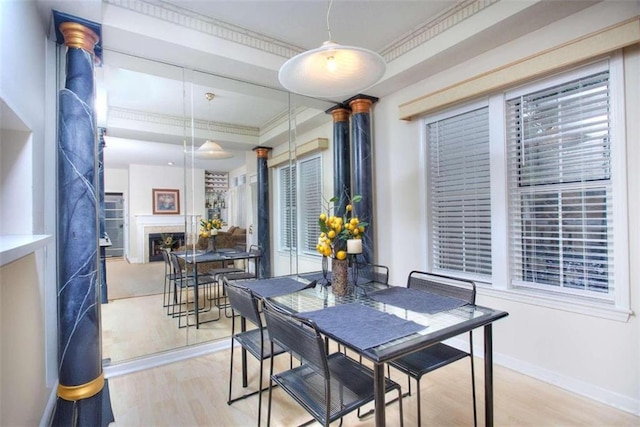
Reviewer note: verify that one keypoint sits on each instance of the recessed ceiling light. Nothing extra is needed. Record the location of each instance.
(170, 163)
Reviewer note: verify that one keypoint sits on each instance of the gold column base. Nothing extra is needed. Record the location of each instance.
(82, 391)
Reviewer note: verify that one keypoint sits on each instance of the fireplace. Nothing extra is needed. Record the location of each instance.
(156, 244)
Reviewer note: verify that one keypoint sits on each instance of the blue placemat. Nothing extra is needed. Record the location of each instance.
(415, 300)
(361, 326)
(274, 287)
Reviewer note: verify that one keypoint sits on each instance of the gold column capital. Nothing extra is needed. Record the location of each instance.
(262, 152)
(360, 105)
(340, 115)
(82, 391)
(79, 36)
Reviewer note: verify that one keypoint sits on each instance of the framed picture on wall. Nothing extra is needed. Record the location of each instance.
(166, 201)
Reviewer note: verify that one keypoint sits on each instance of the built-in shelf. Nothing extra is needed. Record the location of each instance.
(216, 181)
(13, 247)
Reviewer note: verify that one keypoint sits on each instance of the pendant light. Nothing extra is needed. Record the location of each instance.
(332, 70)
(211, 149)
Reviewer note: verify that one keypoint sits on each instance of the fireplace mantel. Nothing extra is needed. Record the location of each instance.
(146, 224)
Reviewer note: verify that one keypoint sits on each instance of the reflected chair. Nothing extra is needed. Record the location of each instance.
(374, 272)
(241, 274)
(415, 365)
(327, 386)
(184, 281)
(169, 278)
(255, 341)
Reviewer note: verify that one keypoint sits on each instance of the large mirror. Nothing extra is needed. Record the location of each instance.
(157, 117)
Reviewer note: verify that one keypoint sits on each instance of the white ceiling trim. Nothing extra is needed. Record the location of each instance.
(162, 119)
(213, 27)
(439, 24)
(236, 34)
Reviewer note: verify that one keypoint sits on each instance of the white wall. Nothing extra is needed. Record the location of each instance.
(28, 349)
(143, 179)
(590, 355)
(16, 177)
(116, 181)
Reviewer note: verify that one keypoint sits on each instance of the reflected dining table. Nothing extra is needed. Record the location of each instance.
(379, 323)
(224, 256)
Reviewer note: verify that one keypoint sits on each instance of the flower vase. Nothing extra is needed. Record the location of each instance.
(211, 244)
(339, 276)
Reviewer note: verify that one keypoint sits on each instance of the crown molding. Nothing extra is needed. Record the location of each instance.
(162, 119)
(176, 15)
(438, 25)
(213, 27)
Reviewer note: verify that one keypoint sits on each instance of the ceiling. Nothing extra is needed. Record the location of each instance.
(161, 57)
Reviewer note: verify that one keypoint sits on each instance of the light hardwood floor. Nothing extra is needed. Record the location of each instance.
(138, 326)
(193, 392)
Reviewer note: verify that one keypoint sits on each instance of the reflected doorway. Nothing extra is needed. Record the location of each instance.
(114, 223)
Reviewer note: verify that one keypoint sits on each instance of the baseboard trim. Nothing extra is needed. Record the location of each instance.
(582, 388)
(165, 358)
(47, 415)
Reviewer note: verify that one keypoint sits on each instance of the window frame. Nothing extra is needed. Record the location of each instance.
(501, 284)
(298, 210)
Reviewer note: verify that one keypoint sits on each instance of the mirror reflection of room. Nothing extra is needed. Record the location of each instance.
(210, 186)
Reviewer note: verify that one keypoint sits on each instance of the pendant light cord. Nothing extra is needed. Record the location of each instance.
(328, 26)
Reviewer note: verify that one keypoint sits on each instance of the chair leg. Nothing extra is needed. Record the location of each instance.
(230, 368)
(260, 389)
(473, 380)
(400, 406)
(419, 402)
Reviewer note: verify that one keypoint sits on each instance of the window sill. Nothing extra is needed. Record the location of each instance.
(558, 302)
(13, 247)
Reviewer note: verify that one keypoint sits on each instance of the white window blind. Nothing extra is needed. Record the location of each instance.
(559, 157)
(310, 202)
(287, 199)
(460, 201)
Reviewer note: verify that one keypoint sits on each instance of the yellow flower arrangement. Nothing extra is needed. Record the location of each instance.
(335, 230)
(210, 227)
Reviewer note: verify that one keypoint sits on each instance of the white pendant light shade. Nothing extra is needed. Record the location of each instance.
(212, 150)
(332, 71)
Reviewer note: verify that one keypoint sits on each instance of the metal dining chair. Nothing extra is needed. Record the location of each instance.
(169, 278)
(415, 365)
(255, 341)
(327, 386)
(182, 283)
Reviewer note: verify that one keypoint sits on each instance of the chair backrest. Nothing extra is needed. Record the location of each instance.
(440, 284)
(243, 302)
(297, 335)
(375, 272)
(177, 269)
(168, 268)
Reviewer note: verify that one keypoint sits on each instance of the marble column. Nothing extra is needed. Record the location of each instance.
(264, 223)
(104, 298)
(363, 168)
(341, 158)
(82, 394)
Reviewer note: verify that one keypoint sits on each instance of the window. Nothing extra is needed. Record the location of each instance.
(561, 188)
(300, 183)
(527, 193)
(287, 202)
(460, 197)
(311, 203)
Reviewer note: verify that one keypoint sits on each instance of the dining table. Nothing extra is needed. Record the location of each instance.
(383, 323)
(223, 255)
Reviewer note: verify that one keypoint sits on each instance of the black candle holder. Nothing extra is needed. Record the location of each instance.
(325, 270)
